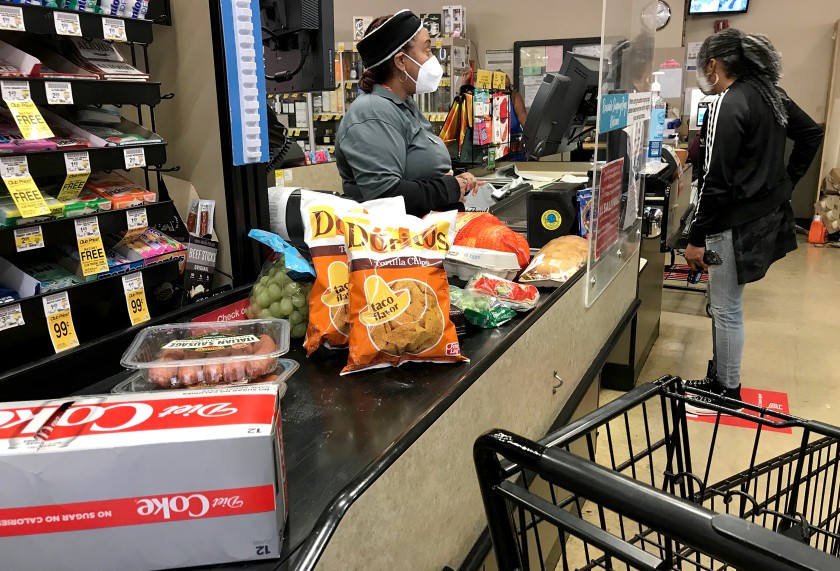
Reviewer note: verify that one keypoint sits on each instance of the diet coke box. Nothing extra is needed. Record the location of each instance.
(142, 481)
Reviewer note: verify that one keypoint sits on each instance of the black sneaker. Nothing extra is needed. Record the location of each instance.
(698, 403)
(707, 384)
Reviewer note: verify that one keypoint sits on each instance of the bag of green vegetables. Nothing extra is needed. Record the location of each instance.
(485, 311)
(282, 290)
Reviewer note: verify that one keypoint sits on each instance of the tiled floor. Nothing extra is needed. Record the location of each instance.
(791, 346)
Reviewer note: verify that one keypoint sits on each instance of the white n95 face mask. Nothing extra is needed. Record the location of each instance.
(428, 79)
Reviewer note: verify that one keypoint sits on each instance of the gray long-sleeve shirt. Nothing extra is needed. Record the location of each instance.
(386, 147)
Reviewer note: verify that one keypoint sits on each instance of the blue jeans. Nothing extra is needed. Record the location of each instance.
(725, 298)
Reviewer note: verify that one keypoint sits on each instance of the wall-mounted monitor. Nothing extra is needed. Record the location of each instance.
(701, 7)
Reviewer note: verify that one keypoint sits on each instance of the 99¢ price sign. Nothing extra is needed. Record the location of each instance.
(135, 298)
(60, 322)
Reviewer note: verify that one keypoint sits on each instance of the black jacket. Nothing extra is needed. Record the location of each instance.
(742, 160)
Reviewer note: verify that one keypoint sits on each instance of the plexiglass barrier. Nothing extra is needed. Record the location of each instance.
(623, 125)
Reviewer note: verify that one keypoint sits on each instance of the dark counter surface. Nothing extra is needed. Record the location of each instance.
(341, 433)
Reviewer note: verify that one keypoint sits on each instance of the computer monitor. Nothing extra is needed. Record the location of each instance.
(563, 99)
(298, 45)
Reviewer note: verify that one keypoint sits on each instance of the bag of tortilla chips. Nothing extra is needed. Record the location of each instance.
(322, 213)
(399, 296)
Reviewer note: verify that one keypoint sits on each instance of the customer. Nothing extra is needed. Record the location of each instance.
(385, 146)
(743, 213)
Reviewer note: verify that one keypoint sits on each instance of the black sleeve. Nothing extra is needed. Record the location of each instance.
(726, 124)
(423, 196)
(807, 137)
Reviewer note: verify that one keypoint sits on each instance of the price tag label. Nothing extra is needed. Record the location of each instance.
(279, 178)
(138, 222)
(13, 167)
(29, 120)
(67, 24)
(484, 79)
(60, 322)
(78, 171)
(355, 47)
(114, 30)
(11, 316)
(59, 92)
(341, 46)
(134, 158)
(439, 43)
(91, 250)
(11, 18)
(499, 80)
(135, 298)
(31, 238)
(25, 194)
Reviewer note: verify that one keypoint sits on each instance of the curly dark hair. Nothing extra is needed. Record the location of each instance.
(750, 58)
(385, 70)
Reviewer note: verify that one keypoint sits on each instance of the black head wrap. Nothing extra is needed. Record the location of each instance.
(384, 42)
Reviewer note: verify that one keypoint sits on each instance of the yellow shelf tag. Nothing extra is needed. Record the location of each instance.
(24, 191)
(135, 298)
(31, 238)
(499, 80)
(78, 171)
(91, 250)
(60, 322)
(484, 79)
(29, 120)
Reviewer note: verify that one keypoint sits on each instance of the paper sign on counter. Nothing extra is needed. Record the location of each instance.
(11, 18)
(134, 158)
(28, 118)
(60, 322)
(10, 316)
(135, 298)
(91, 250)
(114, 30)
(78, 171)
(483, 79)
(499, 80)
(59, 92)
(31, 238)
(67, 24)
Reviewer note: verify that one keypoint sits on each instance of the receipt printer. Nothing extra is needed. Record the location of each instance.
(552, 212)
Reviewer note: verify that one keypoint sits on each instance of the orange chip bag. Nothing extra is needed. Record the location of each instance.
(329, 320)
(399, 296)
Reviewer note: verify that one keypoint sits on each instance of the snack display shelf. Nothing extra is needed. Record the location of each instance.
(41, 20)
(98, 309)
(62, 230)
(51, 163)
(100, 91)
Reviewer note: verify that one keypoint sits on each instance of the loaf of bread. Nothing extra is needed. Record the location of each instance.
(558, 260)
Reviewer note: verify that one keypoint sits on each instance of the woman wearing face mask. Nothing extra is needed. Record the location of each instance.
(743, 214)
(385, 146)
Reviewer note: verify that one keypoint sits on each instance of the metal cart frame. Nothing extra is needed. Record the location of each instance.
(653, 507)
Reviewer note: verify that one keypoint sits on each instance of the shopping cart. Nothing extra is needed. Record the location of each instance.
(644, 499)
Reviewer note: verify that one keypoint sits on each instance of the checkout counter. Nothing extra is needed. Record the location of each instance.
(379, 465)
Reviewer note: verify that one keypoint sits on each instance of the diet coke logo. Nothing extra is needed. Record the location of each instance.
(194, 505)
(207, 411)
(98, 418)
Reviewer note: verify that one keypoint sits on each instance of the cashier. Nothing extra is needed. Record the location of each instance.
(385, 147)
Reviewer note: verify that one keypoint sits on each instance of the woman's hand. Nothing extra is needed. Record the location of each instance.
(468, 184)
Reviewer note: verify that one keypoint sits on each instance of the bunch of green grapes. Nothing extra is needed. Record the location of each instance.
(276, 296)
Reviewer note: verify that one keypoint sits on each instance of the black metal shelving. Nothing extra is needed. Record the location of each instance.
(98, 309)
(63, 230)
(41, 20)
(51, 163)
(99, 91)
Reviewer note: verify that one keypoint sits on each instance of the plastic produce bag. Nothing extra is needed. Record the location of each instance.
(482, 310)
(483, 230)
(519, 297)
(283, 287)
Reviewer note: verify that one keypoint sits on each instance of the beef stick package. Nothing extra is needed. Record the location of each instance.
(399, 296)
(329, 322)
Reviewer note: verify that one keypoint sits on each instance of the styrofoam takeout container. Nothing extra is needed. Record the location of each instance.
(188, 354)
